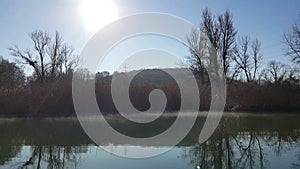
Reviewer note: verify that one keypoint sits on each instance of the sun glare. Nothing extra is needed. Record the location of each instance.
(97, 13)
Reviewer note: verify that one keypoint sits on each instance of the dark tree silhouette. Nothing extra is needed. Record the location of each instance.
(49, 58)
(221, 34)
(11, 76)
(292, 41)
(276, 72)
(247, 57)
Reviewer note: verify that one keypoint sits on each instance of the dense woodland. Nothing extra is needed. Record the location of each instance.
(251, 85)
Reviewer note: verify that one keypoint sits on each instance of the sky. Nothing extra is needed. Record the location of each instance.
(75, 20)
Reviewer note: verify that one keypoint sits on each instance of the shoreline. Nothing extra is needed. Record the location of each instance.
(169, 114)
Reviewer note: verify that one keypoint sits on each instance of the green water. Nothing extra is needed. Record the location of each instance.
(244, 141)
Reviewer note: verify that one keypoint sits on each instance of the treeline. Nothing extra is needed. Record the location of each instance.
(51, 99)
(55, 99)
(263, 97)
(251, 86)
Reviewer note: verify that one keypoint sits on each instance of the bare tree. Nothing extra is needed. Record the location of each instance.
(203, 57)
(227, 39)
(247, 57)
(292, 41)
(221, 34)
(196, 51)
(54, 54)
(41, 40)
(276, 72)
(257, 56)
(68, 61)
(49, 58)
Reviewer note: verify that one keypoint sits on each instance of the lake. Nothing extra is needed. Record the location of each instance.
(240, 141)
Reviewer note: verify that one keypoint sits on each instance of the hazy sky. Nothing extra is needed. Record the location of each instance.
(265, 20)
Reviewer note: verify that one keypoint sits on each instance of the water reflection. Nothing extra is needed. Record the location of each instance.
(56, 157)
(245, 150)
(239, 142)
(53, 157)
(255, 148)
(8, 152)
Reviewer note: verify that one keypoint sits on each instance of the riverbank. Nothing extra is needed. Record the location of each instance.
(170, 114)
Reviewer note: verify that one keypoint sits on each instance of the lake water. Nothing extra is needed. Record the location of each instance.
(241, 141)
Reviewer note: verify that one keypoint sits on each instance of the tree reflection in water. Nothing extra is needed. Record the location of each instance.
(239, 142)
(50, 157)
(57, 157)
(8, 152)
(242, 150)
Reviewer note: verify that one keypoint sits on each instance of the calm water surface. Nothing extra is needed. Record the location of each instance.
(241, 141)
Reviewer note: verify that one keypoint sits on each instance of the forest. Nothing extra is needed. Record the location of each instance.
(251, 85)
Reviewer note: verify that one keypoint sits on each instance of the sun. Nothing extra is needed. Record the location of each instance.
(97, 13)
